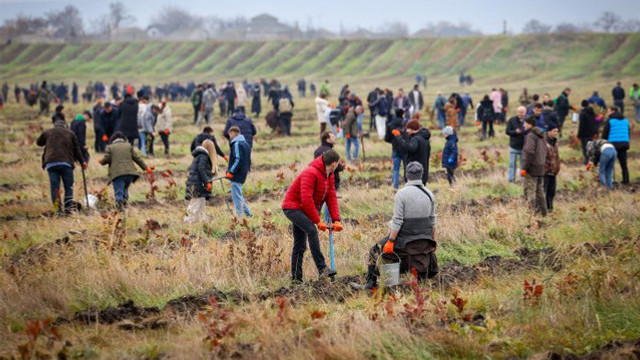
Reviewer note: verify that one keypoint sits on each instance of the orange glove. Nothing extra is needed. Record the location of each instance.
(395, 132)
(229, 175)
(84, 165)
(523, 173)
(588, 166)
(388, 247)
(322, 226)
(99, 160)
(208, 186)
(477, 123)
(337, 226)
(148, 170)
(167, 132)
(226, 158)
(348, 136)
(105, 138)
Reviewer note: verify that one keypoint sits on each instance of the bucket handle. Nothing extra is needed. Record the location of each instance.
(380, 256)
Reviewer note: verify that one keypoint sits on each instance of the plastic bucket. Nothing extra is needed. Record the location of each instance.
(390, 272)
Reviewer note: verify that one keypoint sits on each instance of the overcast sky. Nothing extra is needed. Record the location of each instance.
(486, 16)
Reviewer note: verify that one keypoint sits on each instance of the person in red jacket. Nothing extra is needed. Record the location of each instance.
(301, 205)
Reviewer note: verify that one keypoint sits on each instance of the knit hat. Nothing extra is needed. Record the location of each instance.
(531, 120)
(584, 103)
(414, 171)
(448, 130)
(552, 126)
(79, 117)
(413, 125)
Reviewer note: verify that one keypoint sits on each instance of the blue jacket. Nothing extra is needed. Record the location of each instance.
(616, 130)
(244, 123)
(596, 99)
(450, 152)
(239, 159)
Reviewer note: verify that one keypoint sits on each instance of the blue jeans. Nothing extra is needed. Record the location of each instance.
(607, 162)
(461, 118)
(359, 120)
(242, 208)
(441, 119)
(121, 187)
(638, 113)
(397, 159)
(64, 173)
(515, 156)
(142, 143)
(356, 144)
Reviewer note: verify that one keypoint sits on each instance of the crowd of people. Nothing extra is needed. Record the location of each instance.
(533, 134)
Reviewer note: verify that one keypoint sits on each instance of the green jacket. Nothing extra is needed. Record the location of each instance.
(634, 95)
(120, 156)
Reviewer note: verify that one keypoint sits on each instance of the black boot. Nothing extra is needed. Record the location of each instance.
(120, 205)
(371, 280)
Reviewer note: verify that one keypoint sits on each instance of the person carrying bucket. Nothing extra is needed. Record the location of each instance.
(411, 239)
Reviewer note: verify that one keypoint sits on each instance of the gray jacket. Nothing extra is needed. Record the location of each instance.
(414, 214)
(147, 122)
(208, 99)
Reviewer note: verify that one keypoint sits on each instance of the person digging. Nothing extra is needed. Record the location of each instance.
(301, 205)
(412, 233)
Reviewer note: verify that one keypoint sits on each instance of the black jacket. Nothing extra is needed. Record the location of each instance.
(516, 141)
(128, 121)
(200, 138)
(417, 148)
(587, 127)
(618, 93)
(394, 123)
(108, 121)
(323, 149)
(244, 123)
(486, 111)
(199, 175)
(79, 127)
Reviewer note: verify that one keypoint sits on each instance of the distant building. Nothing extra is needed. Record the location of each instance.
(267, 27)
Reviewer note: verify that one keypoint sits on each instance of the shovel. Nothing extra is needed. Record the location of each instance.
(86, 194)
(224, 194)
(332, 273)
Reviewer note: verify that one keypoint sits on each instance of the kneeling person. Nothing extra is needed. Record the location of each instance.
(412, 233)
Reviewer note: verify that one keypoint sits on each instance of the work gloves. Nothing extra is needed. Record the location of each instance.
(337, 226)
(105, 138)
(208, 186)
(388, 247)
(523, 172)
(226, 158)
(395, 132)
(322, 226)
(589, 166)
(149, 170)
(229, 175)
(167, 132)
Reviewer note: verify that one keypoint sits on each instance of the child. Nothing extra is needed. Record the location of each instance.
(201, 172)
(120, 156)
(164, 124)
(450, 153)
(239, 164)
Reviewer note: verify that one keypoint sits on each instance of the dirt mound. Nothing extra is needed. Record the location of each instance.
(327, 290)
(629, 349)
(191, 304)
(125, 311)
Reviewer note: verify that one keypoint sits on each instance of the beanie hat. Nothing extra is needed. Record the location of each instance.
(531, 120)
(584, 103)
(448, 130)
(413, 125)
(552, 126)
(414, 171)
(79, 117)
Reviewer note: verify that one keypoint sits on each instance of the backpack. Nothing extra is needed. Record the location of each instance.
(334, 116)
(284, 105)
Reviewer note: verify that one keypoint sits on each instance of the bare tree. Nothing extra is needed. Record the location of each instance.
(607, 21)
(395, 30)
(534, 26)
(24, 25)
(118, 15)
(172, 19)
(567, 28)
(67, 23)
(628, 26)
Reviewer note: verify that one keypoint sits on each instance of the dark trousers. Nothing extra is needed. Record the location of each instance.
(99, 146)
(196, 111)
(620, 104)
(303, 230)
(149, 143)
(622, 148)
(284, 121)
(230, 107)
(323, 127)
(165, 140)
(56, 174)
(486, 123)
(584, 142)
(132, 140)
(121, 187)
(372, 121)
(550, 190)
(451, 178)
(85, 155)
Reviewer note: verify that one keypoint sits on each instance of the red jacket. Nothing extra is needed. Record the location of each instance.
(310, 189)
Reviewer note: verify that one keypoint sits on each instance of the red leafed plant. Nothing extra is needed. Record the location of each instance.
(415, 309)
(219, 325)
(284, 310)
(532, 292)
(170, 190)
(53, 345)
(151, 179)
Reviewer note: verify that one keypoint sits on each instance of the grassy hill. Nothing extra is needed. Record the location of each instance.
(508, 59)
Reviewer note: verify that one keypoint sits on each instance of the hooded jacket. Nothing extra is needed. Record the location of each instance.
(450, 152)
(587, 126)
(417, 148)
(128, 121)
(200, 138)
(60, 145)
(121, 156)
(310, 190)
(199, 174)
(552, 165)
(244, 123)
(239, 159)
(534, 153)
